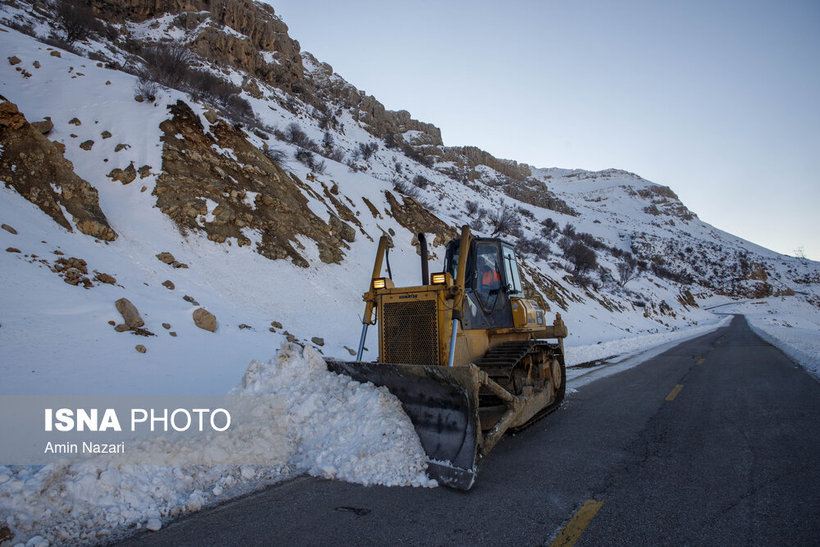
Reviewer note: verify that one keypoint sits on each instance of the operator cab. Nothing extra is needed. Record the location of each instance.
(492, 279)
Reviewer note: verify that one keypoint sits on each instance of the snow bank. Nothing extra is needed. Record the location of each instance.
(629, 346)
(336, 428)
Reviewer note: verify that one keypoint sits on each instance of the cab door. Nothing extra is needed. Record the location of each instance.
(487, 302)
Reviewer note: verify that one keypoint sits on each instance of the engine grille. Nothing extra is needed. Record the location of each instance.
(410, 332)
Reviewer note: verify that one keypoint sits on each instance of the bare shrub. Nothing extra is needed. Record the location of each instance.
(537, 247)
(240, 110)
(209, 86)
(77, 20)
(276, 155)
(590, 241)
(328, 121)
(406, 189)
(61, 43)
(305, 157)
(581, 256)
(147, 89)
(295, 135)
(391, 140)
(548, 226)
(583, 280)
(678, 277)
(477, 225)
(167, 64)
(336, 155)
(472, 207)
(420, 182)
(526, 213)
(564, 243)
(368, 149)
(505, 221)
(327, 141)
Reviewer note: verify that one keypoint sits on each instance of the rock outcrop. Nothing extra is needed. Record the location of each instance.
(239, 191)
(36, 168)
(257, 31)
(413, 216)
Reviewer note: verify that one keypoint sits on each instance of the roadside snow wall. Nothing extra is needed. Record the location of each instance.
(337, 428)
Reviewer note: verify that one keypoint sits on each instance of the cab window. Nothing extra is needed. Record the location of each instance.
(488, 268)
(511, 274)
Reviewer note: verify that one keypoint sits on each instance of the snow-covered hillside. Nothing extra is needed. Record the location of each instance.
(622, 259)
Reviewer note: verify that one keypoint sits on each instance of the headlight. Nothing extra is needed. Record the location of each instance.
(379, 283)
(439, 279)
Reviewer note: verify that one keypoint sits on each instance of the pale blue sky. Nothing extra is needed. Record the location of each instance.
(718, 100)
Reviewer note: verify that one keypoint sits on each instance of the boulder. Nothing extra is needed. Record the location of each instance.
(166, 257)
(125, 176)
(211, 116)
(205, 319)
(129, 313)
(44, 127)
(105, 278)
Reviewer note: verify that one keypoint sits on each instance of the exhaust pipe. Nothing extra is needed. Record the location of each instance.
(425, 273)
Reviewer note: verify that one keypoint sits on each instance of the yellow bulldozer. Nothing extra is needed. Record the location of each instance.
(465, 352)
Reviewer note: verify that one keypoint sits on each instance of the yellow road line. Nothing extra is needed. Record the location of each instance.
(577, 524)
(700, 361)
(674, 392)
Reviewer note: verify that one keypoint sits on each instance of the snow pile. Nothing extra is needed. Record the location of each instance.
(339, 428)
(336, 428)
(791, 323)
(85, 503)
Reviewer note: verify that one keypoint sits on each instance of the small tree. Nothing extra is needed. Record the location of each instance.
(581, 256)
(627, 269)
(327, 141)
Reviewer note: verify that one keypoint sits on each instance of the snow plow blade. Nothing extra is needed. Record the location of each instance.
(442, 403)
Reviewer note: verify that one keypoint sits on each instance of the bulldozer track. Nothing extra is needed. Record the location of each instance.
(500, 361)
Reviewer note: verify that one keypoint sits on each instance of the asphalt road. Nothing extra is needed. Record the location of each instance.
(732, 457)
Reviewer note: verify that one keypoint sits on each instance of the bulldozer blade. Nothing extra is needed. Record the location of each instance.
(442, 403)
